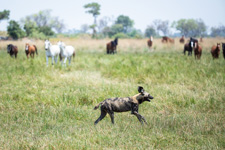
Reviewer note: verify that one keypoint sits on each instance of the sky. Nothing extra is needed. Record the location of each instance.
(142, 12)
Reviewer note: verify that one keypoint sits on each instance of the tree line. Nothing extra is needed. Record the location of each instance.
(43, 25)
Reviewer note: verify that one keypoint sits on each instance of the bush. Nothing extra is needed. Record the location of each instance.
(14, 30)
(120, 35)
(38, 35)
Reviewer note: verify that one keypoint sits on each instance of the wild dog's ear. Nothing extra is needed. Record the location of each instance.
(140, 89)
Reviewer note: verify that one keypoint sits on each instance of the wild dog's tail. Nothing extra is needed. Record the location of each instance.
(96, 107)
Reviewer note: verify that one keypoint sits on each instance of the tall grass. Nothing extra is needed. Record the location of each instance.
(52, 107)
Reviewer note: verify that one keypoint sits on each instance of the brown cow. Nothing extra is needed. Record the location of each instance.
(197, 51)
(150, 42)
(111, 46)
(171, 40)
(182, 40)
(215, 51)
(30, 50)
(166, 39)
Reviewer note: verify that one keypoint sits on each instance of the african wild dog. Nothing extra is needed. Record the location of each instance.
(112, 105)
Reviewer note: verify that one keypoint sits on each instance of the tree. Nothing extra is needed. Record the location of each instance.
(57, 24)
(94, 9)
(4, 15)
(102, 23)
(218, 31)
(190, 27)
(14, 30)
(162, 26)
(150, 31)
(30, 27)
(44, 19)
(32, 30)
(135, 33)
(107, 31)
(201, 28)
(126, 22)
(84, 28)
(46, 30)
(94, 31)
(114, 29)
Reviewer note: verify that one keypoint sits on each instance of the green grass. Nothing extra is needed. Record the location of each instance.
(52, 107)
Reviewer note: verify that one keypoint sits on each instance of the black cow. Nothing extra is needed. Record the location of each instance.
(12, 50)
(190, 46)
(111, 46)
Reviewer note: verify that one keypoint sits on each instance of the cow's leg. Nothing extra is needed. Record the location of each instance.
(65, 59)
(69, 59)
(56, 58)
(52, 60)
(46, 60)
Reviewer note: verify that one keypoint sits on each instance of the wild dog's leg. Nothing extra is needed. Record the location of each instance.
(134, 110)
(138, 116)
(142, 117)
(103, 114)
(111, 114)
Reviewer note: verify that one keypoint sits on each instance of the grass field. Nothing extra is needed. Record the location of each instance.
(52, 107)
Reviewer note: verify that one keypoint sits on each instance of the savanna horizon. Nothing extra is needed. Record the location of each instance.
(52, 107)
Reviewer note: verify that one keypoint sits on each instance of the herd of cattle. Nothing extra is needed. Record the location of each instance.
(54, 51)
(111, 48)
(192, 45)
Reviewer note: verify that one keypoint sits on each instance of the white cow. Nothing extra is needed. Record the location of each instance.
(66, 52)
(51, 51)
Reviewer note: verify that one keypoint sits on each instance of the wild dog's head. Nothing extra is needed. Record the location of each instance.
(144, 96)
